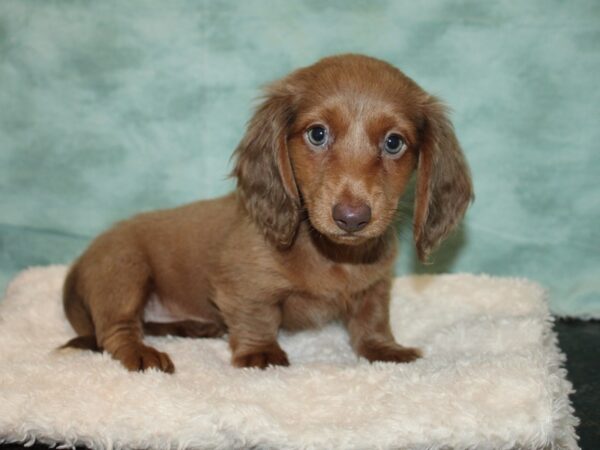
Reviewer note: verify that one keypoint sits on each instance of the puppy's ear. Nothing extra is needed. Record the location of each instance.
(265, 179)
(444, 188)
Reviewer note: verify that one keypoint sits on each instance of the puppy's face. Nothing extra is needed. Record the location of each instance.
(353, 149)
(340, 140)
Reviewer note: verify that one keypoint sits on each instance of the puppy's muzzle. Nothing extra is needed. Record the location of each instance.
(351, 218)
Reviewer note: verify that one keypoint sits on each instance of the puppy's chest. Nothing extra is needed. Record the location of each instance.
(334, 279)
(325, 293)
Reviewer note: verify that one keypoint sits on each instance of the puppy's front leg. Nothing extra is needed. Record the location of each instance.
(369, 327)
(253, 328)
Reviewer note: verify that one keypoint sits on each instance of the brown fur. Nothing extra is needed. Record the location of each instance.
(270, 255)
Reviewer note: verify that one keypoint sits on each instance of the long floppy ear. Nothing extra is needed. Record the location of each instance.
(444, 188)
(265, 179)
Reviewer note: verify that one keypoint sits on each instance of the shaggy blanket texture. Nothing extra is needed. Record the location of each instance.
(491, 378)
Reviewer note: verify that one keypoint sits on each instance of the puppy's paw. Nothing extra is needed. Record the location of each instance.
(390, 352)
(271, 356)
(139, 357)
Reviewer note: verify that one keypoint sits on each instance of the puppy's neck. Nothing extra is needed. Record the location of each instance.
(368, 252)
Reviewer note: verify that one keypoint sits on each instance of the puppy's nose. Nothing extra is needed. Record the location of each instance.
(351, 218)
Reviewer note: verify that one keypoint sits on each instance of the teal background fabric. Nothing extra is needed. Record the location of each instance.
(109, 108)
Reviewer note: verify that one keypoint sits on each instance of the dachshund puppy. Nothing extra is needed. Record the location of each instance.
(307, 237)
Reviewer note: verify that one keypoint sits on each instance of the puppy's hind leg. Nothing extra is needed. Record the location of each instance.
(116, 302)
(78, 315)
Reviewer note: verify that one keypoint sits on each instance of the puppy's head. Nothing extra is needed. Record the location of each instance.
(340, 140)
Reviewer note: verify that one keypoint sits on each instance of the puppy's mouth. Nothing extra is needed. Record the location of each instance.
(346, 238)
(343, 237)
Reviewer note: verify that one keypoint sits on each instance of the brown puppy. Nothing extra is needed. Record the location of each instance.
(307, 237)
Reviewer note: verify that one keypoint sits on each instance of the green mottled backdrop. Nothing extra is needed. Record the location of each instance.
(112, 107)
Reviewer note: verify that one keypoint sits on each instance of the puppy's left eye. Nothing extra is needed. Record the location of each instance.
(393, 144)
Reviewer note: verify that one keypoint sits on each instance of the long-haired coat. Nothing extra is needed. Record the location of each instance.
(307, 237)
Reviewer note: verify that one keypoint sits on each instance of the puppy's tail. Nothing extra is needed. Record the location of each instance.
(78, 315)
(82, 343)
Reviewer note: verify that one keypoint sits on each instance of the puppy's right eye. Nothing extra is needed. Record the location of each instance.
(317, 135)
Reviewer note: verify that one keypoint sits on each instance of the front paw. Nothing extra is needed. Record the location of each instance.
(262, 358)
(389, 352)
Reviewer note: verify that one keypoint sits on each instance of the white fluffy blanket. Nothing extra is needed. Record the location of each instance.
(491, 378)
